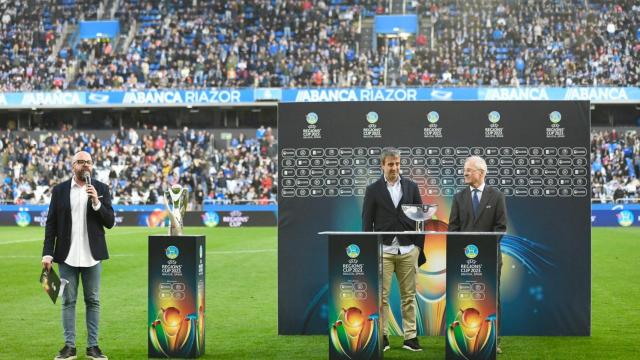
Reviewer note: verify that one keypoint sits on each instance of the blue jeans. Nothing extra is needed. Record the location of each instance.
(91, 289)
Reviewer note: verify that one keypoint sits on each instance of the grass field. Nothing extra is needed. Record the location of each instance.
(242, 302)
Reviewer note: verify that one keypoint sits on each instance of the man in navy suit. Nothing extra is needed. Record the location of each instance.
(79, 211)
(402, 254)
(479, 207)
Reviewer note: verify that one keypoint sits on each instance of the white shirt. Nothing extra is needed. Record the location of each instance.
(79, 251)
(395, 191)
(481, 188)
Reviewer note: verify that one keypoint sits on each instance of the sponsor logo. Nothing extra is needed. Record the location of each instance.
(441, 95)
(98, 98)
(172, 252)
(353, 251)
(356, 95)
(471, 251)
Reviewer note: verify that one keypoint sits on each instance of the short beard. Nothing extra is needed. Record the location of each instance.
(79, 174)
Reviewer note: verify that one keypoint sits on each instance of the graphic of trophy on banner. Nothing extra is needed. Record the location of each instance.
(353, 334)
(173, 334)
(175, 199)
(471, 336)
(419, 213)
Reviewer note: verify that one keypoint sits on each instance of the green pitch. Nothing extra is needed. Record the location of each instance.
(241, 312)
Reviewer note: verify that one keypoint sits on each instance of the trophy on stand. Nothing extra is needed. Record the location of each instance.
(419, 213)
(175, 199)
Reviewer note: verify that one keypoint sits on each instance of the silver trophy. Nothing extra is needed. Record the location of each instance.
(419, 213)
(175, 199)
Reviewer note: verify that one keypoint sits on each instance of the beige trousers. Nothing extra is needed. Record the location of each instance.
(405, 266)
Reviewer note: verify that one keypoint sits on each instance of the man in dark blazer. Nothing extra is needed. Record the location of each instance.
(402, 254)
(479, 208)
(79, 210)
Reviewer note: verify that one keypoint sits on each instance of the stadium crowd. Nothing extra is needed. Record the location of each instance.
(293, 43)
(138, 165)
(615, 166)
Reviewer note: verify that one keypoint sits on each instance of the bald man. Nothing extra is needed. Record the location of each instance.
(79, 211)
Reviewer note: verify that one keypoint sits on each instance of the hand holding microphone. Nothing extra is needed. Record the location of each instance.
(91, 191)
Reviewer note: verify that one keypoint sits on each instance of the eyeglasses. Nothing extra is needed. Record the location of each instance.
(82, 162)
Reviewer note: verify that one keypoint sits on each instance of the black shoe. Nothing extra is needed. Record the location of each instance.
(66, 353)
(412, 344)
(385, 343)
(94, 352)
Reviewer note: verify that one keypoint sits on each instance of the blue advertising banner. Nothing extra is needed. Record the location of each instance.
(154, 216)
(246, 96)
(615, 215)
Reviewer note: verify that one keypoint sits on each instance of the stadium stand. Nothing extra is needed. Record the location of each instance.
(615, 165)
(137, 164)
(195, 44)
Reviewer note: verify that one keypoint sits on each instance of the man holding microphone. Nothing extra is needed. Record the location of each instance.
(79, 211)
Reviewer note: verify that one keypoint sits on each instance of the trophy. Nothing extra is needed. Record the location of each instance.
(175, 199)
(419, 213)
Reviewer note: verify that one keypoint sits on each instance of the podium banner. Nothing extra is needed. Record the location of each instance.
(176, 296)
(355, 275)
(537, 154)
(472, 295)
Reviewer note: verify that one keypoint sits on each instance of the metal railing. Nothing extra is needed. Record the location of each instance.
(610, 200)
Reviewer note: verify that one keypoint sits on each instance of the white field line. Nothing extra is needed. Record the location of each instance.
(230, 252)
(41, 239)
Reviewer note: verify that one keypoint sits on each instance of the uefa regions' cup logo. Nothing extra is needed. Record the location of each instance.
(312, 118)
(353, 251)
(625, 218)
(210, 219)
(433, 117)
(471, 251)
(354, 335)
(372, 117)
(22, 218)
(494, 117)
(555, 117)
(471, 336)
(172, 252)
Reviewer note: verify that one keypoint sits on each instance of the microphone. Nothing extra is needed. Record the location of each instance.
(87, 177)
